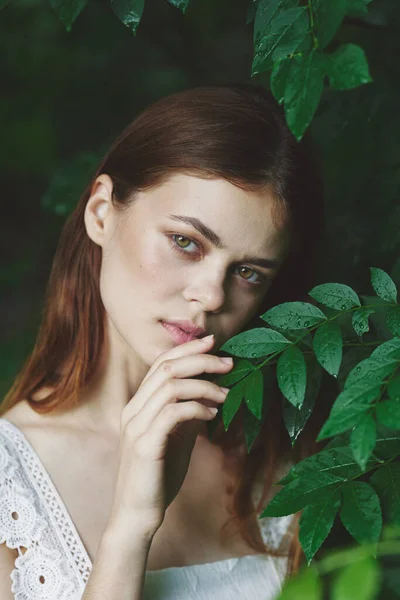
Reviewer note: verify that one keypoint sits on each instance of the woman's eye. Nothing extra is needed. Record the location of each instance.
(254, 273)
(178, 239)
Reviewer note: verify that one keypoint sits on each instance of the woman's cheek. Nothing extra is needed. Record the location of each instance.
(159, 265)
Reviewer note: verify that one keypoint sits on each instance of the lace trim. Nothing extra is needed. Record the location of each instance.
(47, 573)
(28, 530)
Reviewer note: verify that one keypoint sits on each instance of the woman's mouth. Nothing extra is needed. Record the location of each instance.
(178, 335)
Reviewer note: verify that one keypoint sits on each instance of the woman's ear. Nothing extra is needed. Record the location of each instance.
(99, 210)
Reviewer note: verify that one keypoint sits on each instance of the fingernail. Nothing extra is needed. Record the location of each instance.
(227, 359)
(208, 338)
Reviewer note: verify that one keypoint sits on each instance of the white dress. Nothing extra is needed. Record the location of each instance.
(56, 565)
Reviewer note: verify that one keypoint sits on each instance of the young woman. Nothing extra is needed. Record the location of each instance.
(204, 213)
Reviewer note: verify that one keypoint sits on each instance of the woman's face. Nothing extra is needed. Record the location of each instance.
(158, 267)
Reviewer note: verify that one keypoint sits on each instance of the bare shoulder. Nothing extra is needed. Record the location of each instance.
(49, 433)
(54, 435)
(22, 415)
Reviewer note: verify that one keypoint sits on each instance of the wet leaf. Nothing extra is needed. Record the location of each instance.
(293, 315)
(292, 375)
(361, 512)
(383, 285)
(335, 295)
(363, 440)
(255, 342)
(316, 521)
(328, 347)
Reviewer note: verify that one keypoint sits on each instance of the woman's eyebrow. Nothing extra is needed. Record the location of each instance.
(267, 263)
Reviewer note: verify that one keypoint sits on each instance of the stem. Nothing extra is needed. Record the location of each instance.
(315, 39)
(340, 313)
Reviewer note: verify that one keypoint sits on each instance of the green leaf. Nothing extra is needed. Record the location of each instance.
(361, 512)
(293, 36)
(387, 442)
(316, 521)
(359, 580)
(253, 393)
(296, 418)
(251, 424)
(347, 411)
(386, 482)
(392, 314)
(360, 320)
(388, 413)
(129, 12)
(328, 17)
(68, 10)
(383, 285)
(389, 350)
(378, 319)
(292, 375)
(351, 358)
(328, 347)
(280, 35)
(181, 4)
(267, 10)
(300, 492)
(279, 76)
(363, 440)
(340, 441)
(337, 461)
(303, 91)
(305, 586)
(370, 372)
(4, 3)
(293, 315)
(335, 295)
(240, 369)
(347, 67)
(255, 342)
(232, 402)
(252, 427)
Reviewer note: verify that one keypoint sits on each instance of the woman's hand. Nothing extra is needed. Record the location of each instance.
(159, 427)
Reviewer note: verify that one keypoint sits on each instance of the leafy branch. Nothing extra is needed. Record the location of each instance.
(290, 39)
(364, 422)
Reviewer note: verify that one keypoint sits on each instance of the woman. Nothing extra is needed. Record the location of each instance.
(206, 211)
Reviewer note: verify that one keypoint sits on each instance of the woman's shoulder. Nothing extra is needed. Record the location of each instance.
(22, 415)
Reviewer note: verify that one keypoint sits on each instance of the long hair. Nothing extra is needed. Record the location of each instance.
(233, 131)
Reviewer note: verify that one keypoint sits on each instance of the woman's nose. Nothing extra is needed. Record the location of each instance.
(210, 293)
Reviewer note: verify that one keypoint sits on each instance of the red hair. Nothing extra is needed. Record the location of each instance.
(236, 132)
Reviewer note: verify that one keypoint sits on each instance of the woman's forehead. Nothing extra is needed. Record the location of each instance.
(229, 216)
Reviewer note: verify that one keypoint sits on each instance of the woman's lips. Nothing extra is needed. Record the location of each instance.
(178, 335)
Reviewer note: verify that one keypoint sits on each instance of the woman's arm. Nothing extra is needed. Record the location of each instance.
(120, 565)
